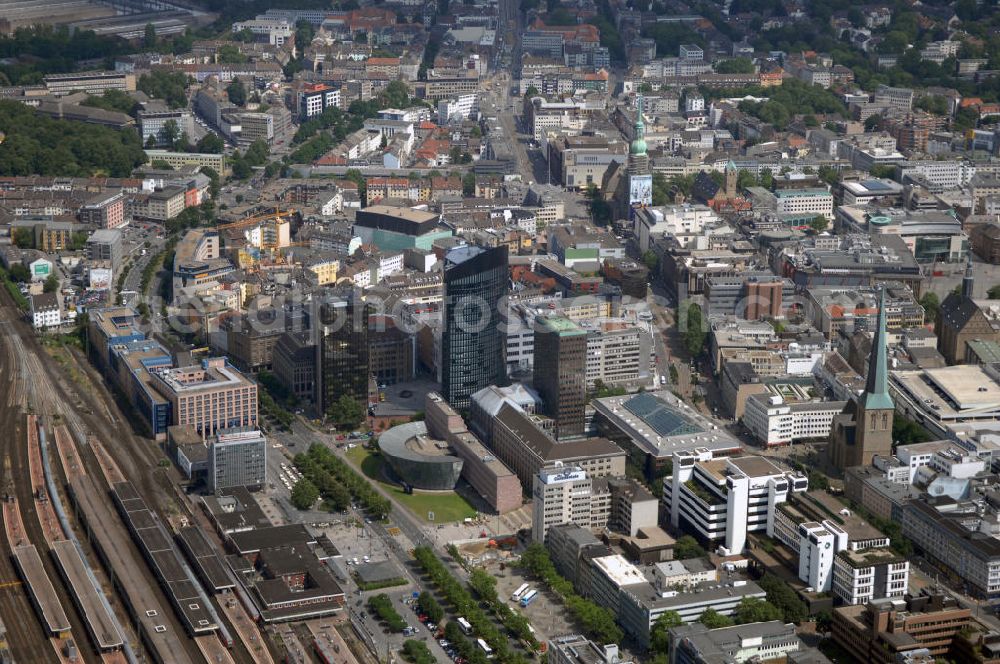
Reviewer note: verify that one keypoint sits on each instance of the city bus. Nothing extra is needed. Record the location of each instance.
(523, 588)
(485, 648)
(466, 627)
(529, 598)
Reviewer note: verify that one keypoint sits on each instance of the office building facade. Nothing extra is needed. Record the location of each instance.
(560, 373)
(342, 366)
(476, 281)
(237, 457)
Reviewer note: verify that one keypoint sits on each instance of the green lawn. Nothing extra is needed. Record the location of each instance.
(447, 507)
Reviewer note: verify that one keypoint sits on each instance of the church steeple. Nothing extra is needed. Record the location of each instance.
(968, 281)
(638, 147)
(876, 394)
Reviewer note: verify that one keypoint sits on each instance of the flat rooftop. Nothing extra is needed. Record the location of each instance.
(756, 466)
(206, 559)
(46, 601)
(115, 321)
(660, 424)
(101, 625)
(208, 376)
(411, 215)
(620, 571)
(967, 386)
(252, 541)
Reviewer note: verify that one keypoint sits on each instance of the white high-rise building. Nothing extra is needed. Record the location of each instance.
(566, 495)
(724, 499)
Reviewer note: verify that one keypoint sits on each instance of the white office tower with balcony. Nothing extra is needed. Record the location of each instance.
(721, 500)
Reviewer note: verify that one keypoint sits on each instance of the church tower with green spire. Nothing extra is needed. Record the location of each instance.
(640, 177)
(864, 428)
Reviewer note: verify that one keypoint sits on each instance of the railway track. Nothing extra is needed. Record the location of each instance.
(59, 400)
(24, 631)
(102, 445)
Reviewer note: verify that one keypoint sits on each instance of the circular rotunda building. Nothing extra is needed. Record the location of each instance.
(418, 460)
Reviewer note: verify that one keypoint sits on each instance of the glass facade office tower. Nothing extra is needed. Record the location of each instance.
(342, 349)
(472, 341)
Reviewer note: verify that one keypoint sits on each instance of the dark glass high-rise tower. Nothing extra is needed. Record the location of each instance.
(342, 349)
(472, 342)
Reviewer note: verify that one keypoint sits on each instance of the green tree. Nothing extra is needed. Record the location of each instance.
(687, 547)
(659, 633)
(417, 652)
(905, 432)
(51, 284)
(245, 35)
(873, 122)
(887, 171)
(430, 607)
(304, 33)
(819, 223)
(211, 143)
(469, 184)
(661, 189)
(531, 91)
(114, 100)
(753, 610)
(78, 241)
(650, 260)
(169, 133)
(695, 332)
(24, 237)
(994, 292)
(170, 86)
(600, 210)
(20, 273)
(236, 92)
(346, 412)
(149, 36)
(935, 104)
(781, 596)
(304, 494)
(744, 179)
(712, 619)
(932, 305)
(735, 66)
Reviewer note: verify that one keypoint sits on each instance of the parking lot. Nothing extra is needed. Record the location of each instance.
(546, 613)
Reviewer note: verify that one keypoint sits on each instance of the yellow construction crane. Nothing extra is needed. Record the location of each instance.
(257, 219)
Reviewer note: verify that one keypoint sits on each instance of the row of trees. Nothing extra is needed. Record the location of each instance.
(338, 483)
(485, 587)
(466, 649)
(381, 606)
(463, 604)
(695, 331)
(417, 652)
(749, 610)
(430, 607)
(596, 620)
